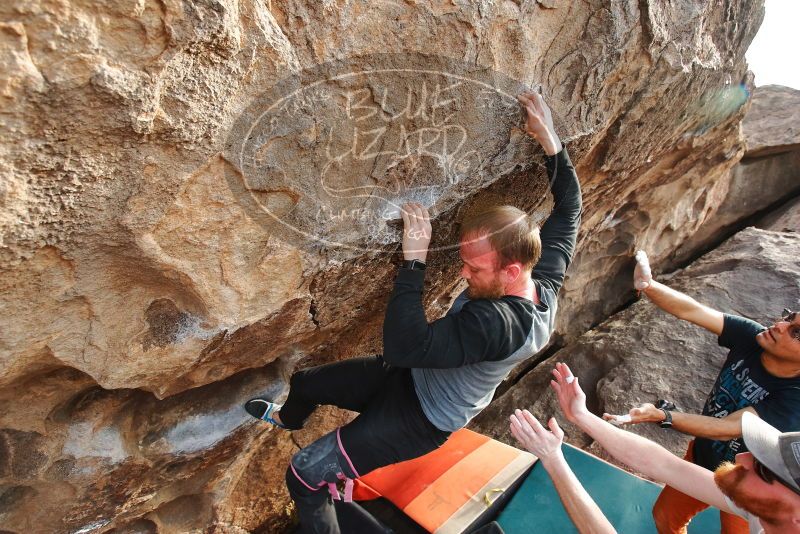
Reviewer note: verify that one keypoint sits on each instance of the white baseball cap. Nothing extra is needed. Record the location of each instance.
(778, 451)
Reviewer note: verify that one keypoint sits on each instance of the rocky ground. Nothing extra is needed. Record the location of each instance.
(196, 199)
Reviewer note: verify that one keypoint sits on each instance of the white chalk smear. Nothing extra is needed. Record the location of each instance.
(83, 440)
(92, 526)
(202, 431)
(641, 259)
(646, 276)
(620, 420)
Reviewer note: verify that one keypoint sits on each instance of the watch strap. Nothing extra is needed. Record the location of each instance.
(667, 422)
(414, 264)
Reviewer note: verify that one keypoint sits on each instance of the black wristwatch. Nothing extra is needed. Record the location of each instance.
(414, 264)
(666, 407)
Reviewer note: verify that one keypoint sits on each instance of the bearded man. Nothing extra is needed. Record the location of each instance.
(433, 378)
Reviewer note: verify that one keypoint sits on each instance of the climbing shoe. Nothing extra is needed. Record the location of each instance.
(263, 409)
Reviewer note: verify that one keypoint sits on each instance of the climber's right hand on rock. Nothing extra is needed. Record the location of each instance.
(416, 231)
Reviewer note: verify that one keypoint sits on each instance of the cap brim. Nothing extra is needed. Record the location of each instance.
(761, 439)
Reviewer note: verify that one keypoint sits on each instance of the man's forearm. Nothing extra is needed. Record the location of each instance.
(552, 145)
(669, 300)
(685, 307)
(654, 461)
(703, 426)
(581, 508)
(635, 451)
(559, 232)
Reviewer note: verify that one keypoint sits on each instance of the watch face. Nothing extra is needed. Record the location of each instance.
(662, 404)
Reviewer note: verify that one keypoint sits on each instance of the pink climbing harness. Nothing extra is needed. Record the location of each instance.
(332, 488)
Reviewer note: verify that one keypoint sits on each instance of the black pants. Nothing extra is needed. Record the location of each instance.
(391, 428)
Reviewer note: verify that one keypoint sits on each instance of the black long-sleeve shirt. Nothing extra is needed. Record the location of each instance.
(460, 359)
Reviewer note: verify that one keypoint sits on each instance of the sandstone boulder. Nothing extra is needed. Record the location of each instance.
(151, 279)
(122, 222)
(786, 218)
(771, 125)
(767, 175)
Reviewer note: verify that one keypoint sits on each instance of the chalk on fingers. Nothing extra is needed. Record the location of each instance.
(641, 258)
(620, 420)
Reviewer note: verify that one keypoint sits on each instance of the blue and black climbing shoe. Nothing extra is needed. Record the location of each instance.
(263, 409)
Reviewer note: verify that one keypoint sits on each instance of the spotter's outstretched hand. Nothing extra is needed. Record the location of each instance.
(570, 395)
(645, 413)
(543, 443)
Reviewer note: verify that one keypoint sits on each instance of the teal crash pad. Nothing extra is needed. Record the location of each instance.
(625, 499)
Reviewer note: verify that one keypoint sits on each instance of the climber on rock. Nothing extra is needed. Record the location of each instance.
(761, 375)
(433, 378)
